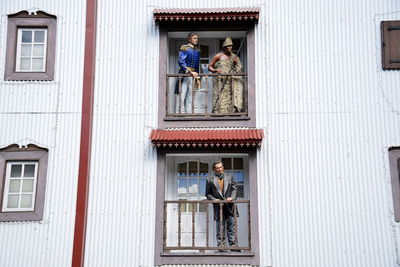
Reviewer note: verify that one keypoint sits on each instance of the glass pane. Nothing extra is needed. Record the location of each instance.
(27, 185)
(25, 64)
(38, 50)
(203, 207)
(238, 163)
(202, 183)
(240, 193)
(193, 168)
(204, 51)
(26, 201)
(239, 176)
(193, 186)
(192, 207)
(27, 36)
(182, 169)
(182, 207)
(12, 201)
(16, 170)
(39, 37)
(227, 163)
(37, 64)
(14, 186)
(26, 50)
(29, 170)
(182, 184)
(203, 169)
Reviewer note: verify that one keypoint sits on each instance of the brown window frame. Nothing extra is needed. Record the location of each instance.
(390, 31)
(161, 258)
(394, 162)
(28, 153)
(25, 20)
(218, 121)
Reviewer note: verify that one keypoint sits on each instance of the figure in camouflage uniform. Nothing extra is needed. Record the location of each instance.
(227, 90)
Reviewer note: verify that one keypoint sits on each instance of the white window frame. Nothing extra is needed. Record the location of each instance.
(19, 46)
(8, 178)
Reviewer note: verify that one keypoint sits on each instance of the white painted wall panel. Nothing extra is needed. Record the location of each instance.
(46, 114)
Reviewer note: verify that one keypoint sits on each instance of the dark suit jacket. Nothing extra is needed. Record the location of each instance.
(213, 192)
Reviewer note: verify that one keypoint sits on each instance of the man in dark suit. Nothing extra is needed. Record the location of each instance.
(221, 186)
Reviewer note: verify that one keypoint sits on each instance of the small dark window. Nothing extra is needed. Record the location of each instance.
(31, 42)
(394, 161)
(390, 44)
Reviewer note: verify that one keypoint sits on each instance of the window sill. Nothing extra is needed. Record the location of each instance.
(208, 254)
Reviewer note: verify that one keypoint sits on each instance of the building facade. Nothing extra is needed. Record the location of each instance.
(95, 153)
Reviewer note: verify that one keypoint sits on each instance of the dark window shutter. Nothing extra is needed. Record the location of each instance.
(390, 44)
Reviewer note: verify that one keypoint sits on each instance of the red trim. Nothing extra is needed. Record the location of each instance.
(207, 138)
(225, 14)
(78, 253)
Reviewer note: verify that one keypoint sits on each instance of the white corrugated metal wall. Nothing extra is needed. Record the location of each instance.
(329, 112)
(46, 114)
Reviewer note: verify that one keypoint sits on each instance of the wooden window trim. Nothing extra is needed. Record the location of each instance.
(394, 162)
(24, 20)
(161, 258)
(28, 153)
(222, 121)
(390, 31)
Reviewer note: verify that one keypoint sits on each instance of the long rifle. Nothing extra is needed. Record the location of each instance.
(226, 78)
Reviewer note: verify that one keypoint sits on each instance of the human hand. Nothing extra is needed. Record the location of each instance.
(236, 60)
(229, 199)
(194, 74)
(219, 71)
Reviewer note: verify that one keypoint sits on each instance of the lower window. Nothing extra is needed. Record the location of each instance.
(22, 185)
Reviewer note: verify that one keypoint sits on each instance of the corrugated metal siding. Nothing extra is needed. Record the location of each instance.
(332, 114)
(47, 114)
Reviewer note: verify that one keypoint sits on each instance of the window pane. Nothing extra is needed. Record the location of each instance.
(26, 50)
(39, 37)
(16, 170)
(202, 183)
(26, 201)
(12, 201)
(25, 64)
(27, 36)
(182, 169)
(38, 50)
(14, 186)
(203, 169)
(182, 186)
(29, 170)
(193, 186)
(227, 163)
(37, 64)
(239, 176)
(238, 163)
(27, 185)
(193, 168)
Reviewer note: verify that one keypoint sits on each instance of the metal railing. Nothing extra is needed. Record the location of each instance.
(193, 209)
(175, 107)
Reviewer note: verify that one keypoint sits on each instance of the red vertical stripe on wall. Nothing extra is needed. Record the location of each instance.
(78, 253)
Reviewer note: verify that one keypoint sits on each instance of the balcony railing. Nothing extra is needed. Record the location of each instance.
(186, 226)
(203, 99)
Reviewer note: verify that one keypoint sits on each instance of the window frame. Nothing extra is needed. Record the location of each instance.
(161, 258)
(24, 20)
(217, 121)
(394, 163)
(27, 153)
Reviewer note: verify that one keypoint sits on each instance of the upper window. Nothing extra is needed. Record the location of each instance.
(30, 46)
(390, 44)
(207, 67)
(23, 182)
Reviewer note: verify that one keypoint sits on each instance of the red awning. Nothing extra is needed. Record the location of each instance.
(206, 14)
(207, 138)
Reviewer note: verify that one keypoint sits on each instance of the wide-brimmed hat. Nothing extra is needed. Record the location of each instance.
(227, 42)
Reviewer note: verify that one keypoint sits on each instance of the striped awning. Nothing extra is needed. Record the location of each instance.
(207, 14)
(207, 138)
